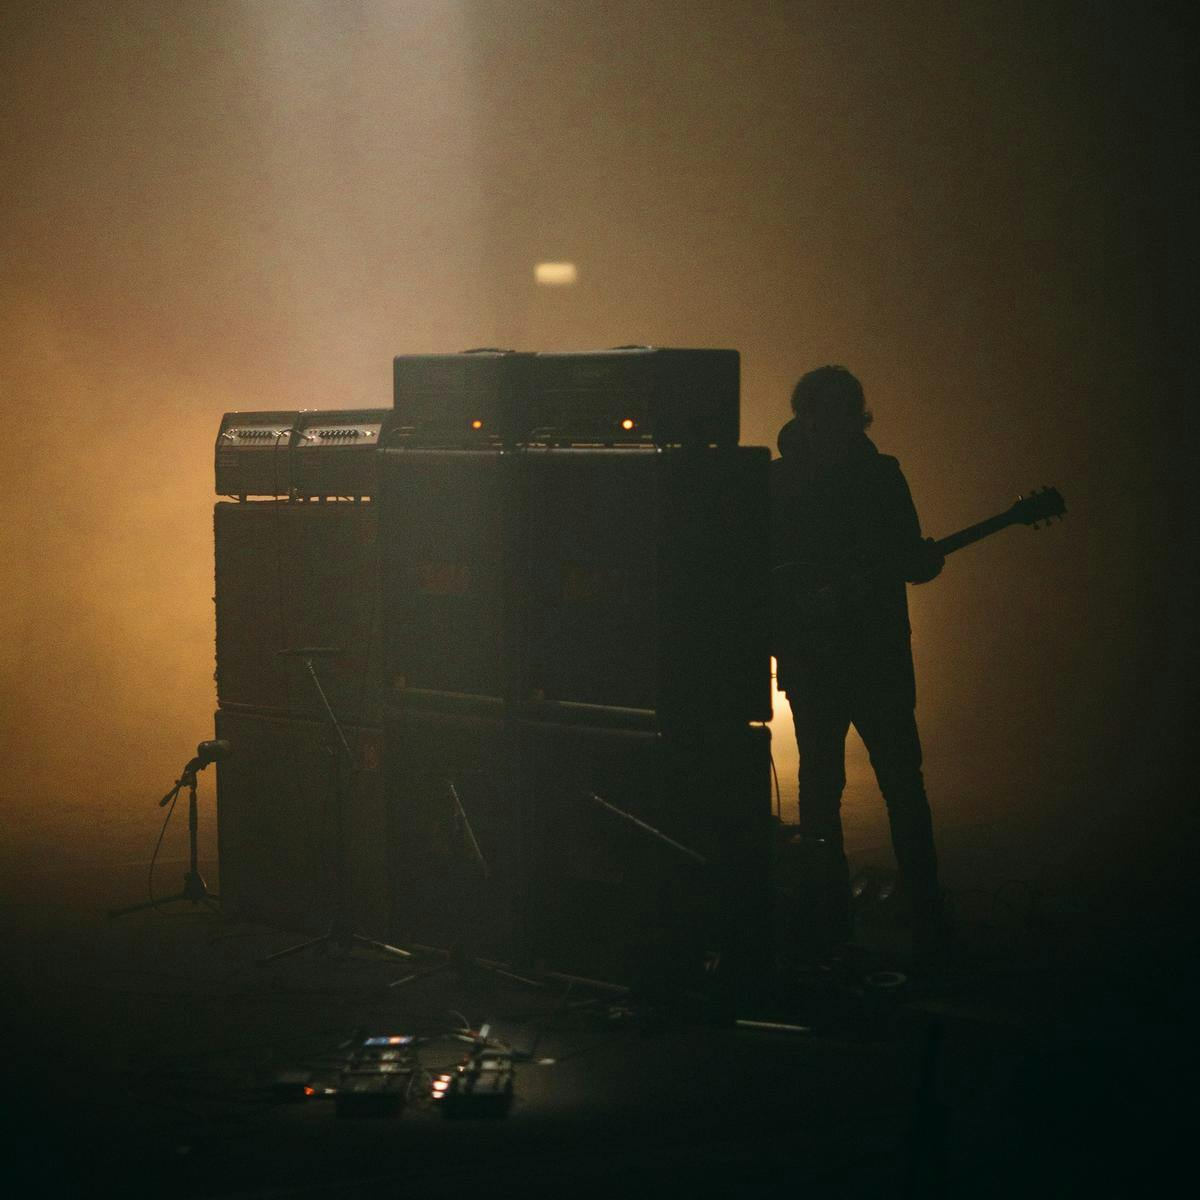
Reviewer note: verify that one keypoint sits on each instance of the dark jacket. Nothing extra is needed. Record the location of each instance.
(844, 542)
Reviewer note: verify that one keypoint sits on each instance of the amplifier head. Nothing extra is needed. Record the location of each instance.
(634, 395)
(459, 400)
(252, 453)
(332, 451)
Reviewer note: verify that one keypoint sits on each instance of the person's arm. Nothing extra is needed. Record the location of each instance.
(917, 559)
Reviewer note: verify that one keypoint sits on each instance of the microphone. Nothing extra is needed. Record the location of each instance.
(212, 751)
(206, 752)
(310, 652)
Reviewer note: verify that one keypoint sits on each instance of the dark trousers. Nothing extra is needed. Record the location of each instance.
(887, 725)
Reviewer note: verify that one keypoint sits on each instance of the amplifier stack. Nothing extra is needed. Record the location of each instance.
(630, 396)
(546, 577)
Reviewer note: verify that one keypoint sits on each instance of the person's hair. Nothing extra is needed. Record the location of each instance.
(830, 391)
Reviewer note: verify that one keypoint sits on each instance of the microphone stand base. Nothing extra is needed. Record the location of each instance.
(339, 940)
(194, 890)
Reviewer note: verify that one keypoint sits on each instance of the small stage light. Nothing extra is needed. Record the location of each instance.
(555, 274)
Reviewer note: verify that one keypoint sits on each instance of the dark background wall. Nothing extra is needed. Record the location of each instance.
(985, 210)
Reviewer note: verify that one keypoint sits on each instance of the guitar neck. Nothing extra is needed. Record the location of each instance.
(974, 533)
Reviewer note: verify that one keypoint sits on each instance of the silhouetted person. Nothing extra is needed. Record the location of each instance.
(846, 539)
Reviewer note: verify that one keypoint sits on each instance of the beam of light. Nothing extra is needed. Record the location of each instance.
(367, 198)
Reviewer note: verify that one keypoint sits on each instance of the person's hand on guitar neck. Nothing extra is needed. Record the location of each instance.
(925, 563)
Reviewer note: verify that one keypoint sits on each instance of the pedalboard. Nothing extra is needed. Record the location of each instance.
(376, 1079)
(480, 1086)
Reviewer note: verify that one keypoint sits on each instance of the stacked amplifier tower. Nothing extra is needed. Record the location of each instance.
(546, 577)
(295, 569)
(574, 590)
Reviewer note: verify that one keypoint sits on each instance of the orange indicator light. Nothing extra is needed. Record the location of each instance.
(477, 424)
(628, 423)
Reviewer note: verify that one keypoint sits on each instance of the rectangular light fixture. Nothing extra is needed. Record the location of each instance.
(555, 274)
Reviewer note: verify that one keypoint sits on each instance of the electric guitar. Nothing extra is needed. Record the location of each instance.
(816, 593)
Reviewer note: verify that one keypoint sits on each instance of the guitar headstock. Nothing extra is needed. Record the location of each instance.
(1044, 504)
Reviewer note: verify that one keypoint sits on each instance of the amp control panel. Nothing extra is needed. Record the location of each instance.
(363, 434)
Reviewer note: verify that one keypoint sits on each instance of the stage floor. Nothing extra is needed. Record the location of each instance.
(142, 1054)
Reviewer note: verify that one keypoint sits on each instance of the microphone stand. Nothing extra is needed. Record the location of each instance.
(660, 974)
(458, 958)
(194, 887)
(340, 933)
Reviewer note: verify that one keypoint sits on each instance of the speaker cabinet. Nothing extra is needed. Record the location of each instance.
(531, 842)
(459, 874)
(291, 575)
(278, 828)
(615, 820)
(448, 572)
(561, 579)
(647, 582)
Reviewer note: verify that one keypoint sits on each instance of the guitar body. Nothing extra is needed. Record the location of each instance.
(821, 596)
